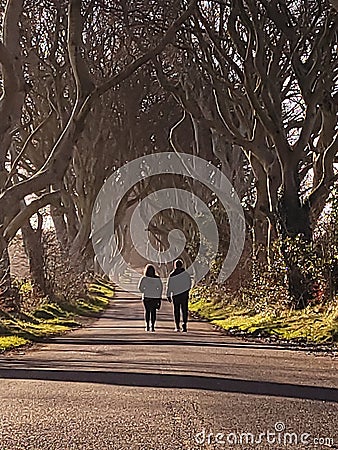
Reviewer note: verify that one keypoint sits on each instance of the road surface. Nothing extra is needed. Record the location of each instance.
(114, 386)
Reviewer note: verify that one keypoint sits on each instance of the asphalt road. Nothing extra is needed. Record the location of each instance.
(114, 386)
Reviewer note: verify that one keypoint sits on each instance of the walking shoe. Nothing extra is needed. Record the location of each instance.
(184, 328)
(147, 328)
(177, 329)
(152, 328)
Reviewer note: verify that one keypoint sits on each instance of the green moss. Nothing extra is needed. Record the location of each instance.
(27, 317)
(51, 318)
(50, 311)
(101, 290)
(311, 325)
(10, 342)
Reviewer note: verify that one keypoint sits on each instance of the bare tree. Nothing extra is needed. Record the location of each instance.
(54, 79)
(261, 78)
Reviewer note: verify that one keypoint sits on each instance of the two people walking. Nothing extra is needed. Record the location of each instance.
(179, 285)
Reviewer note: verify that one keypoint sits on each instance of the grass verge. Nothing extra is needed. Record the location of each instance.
(52, 319)
(313, 325)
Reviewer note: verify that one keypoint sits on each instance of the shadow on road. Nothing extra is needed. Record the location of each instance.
(152, 380)
(175, 340)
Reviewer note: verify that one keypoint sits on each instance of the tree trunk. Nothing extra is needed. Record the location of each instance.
(5, 276)
(34, 249)
(293, 219)
(60, 226)
(300, 283)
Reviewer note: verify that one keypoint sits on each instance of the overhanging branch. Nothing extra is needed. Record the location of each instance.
(28, 211)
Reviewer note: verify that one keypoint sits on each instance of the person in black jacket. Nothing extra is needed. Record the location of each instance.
(151, 287)
(179, 285)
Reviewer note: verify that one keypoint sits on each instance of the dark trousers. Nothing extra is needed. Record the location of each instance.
(181, 303)
(150, 310)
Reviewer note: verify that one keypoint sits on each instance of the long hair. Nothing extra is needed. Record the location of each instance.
(149, 271)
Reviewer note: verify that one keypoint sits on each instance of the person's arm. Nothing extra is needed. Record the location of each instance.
(160, 287)
(169, 289)
(141, 285)
(189, 283)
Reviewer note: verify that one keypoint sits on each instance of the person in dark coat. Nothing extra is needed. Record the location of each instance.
(151, 287)
(179, 285)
